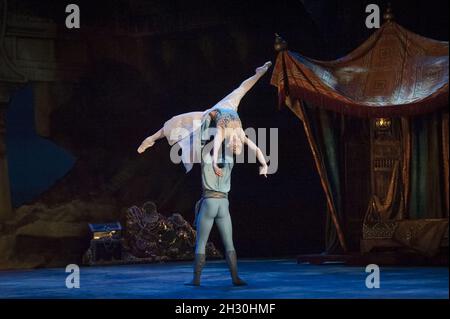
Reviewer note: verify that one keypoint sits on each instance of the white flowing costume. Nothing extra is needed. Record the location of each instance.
(184, 129)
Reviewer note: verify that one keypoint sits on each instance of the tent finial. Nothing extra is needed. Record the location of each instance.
(280, 44)
(388, 15)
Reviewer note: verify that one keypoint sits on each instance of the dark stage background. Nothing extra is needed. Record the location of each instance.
(95, 133)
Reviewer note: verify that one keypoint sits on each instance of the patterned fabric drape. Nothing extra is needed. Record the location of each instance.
(394, 73)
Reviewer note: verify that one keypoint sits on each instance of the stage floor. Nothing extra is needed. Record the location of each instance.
(267, 279)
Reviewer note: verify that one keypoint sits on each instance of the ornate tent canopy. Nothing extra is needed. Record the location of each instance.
(393, 73)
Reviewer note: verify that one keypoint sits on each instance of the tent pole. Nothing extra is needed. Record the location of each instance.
(406, 158)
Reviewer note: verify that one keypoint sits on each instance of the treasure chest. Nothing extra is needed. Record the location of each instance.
(106, 242)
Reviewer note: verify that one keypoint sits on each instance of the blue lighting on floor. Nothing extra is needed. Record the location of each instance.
(266, 278)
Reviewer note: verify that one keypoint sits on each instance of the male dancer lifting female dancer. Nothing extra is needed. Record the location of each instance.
(187, 128)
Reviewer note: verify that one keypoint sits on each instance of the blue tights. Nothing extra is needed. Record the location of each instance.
(214, 210)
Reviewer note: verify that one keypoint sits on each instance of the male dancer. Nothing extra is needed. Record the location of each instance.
(216, 171)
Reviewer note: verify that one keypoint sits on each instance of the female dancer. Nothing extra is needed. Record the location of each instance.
(216, 170)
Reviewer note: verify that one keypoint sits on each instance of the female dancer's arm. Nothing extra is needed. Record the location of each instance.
(259, 155)
(218, 139)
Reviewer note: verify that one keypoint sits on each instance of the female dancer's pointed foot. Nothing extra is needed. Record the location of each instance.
(264, 68)
(145, 144)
